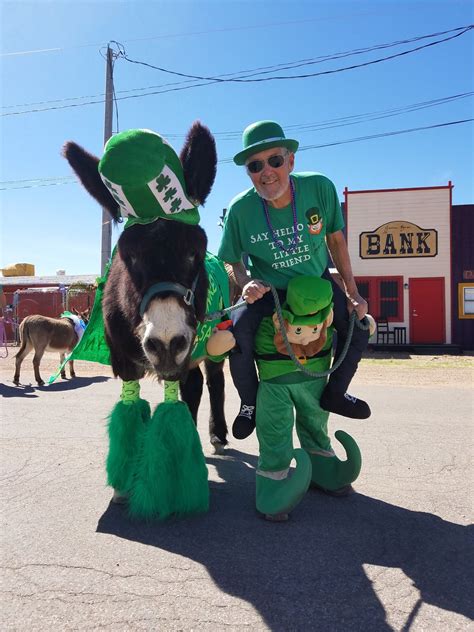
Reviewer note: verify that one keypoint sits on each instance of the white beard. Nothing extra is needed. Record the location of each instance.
(282, 189)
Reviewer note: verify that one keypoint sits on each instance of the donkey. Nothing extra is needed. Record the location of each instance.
(42, 333)
(156, 291)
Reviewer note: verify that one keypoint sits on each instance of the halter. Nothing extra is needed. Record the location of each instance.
(169, 286)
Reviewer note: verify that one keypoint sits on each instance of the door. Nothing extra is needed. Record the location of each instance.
(427, 311)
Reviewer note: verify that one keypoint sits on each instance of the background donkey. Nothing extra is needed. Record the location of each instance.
(42, 333)
(157, 287)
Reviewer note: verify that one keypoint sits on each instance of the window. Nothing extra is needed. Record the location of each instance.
(384, 296)
(466, 300)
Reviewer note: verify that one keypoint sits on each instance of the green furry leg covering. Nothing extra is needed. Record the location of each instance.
(331, 473)
(127, 423)
(171, 472)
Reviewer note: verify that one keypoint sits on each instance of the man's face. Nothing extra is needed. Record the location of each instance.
(272, 183)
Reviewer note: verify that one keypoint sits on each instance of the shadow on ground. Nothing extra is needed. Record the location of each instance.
(24, 390)
(71, 384)
(309, 571)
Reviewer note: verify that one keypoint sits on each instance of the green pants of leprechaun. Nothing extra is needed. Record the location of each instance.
(280, 406)
(281, 403)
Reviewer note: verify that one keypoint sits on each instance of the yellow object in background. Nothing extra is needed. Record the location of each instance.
(19, 269)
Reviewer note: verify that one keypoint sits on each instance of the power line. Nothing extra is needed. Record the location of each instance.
(372, 136)
(37, 184)
(192, 33)
(61, 179)
(282, 66)
(234, 76)
(246, 79)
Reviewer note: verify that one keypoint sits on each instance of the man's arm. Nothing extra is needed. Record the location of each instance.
(337, 247)
(252, 289)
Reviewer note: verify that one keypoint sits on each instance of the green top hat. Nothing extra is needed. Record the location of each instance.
(145, 176)
(260, 136)
(308, 301)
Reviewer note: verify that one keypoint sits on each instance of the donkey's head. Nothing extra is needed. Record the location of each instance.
(157, 282)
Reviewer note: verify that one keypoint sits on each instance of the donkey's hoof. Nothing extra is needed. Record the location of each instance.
(218, 445)
(63, 376)
(40, 382)
(16, 382)
(119, 498)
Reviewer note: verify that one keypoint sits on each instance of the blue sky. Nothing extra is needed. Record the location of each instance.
(59, 226)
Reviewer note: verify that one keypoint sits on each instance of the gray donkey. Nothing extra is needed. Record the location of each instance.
(42, 333)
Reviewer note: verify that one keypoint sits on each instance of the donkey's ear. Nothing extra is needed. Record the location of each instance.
(199, 160)
(86, 167)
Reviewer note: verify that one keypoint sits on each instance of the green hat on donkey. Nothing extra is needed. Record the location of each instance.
(145, 177)
(308, 301)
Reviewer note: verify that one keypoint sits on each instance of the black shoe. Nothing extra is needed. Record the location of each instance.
(345, 405)
(244, 423)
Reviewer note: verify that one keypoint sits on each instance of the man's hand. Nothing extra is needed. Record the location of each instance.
(254, 290)
(357, 303)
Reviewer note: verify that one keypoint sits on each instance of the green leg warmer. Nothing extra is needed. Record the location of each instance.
(127, 424)
(171, 472)
(280, 492)
(331, 473)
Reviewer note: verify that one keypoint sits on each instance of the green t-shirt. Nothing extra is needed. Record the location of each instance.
(272, 364)
(246, 231)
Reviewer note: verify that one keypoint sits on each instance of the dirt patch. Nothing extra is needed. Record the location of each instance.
(375, 368)
(416, 370)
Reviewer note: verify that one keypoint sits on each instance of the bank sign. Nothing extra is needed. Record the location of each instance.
(398, 239)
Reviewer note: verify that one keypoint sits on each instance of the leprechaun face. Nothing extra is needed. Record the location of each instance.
(303, 334)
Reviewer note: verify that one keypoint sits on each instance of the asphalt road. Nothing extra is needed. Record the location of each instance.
(398, 555)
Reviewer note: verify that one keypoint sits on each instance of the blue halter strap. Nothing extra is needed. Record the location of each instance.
(169, 286)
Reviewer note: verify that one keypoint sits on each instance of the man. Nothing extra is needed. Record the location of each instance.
(286, 225)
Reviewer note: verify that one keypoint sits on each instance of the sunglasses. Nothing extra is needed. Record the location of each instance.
(255, 166)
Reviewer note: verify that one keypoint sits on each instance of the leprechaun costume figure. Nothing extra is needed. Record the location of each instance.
(287, 395)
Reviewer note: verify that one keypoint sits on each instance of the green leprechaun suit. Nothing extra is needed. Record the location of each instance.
(287, 395)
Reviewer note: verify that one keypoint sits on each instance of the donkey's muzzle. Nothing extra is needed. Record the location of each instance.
(169, 359)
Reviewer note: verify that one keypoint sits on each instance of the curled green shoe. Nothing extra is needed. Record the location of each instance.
(279, 492)
(330, 474)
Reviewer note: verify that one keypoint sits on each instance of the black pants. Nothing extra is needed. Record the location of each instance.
(246, 321)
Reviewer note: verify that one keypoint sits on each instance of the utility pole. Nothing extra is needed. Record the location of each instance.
(109, 107)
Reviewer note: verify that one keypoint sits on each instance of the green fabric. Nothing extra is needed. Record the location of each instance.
(269, 369)
(246, 231)
(281, 496)
(331, 473)
(217, 298)
(276, 404)
(308, 300)
(171, 474)
(145, 177)
(260, 136)
(93, 347)
(126, 427)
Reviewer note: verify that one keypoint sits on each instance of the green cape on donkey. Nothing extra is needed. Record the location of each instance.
(154, 297)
